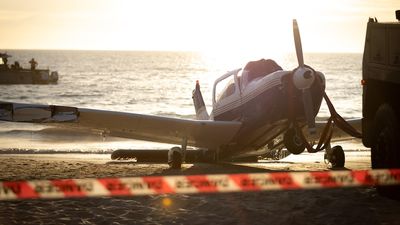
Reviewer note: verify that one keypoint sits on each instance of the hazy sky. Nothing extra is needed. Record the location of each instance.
(202, 25)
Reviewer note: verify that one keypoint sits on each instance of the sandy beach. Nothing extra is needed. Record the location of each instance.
(329, 206)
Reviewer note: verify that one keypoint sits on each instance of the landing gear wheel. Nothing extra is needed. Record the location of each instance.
(384, 152)
(292, 141)
(175, 158)
(335, 157)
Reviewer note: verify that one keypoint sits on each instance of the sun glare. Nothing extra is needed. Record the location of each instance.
(229, 28)
(214, 27)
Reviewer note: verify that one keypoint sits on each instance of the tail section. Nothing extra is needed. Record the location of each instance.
(200, 107)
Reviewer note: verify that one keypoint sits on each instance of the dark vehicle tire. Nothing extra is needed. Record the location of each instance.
(292, 141)
(384, 151)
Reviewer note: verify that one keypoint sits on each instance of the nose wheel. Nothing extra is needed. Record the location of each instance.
(334, 157)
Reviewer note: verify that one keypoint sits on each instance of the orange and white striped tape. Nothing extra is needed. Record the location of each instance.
(154, 185)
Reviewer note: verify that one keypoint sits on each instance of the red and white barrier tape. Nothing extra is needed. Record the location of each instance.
(152, 185)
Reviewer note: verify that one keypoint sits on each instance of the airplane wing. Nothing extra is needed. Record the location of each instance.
(340, 135)
(337, 133)
(198, 133)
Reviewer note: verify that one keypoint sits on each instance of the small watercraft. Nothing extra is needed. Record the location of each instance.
(15, 74)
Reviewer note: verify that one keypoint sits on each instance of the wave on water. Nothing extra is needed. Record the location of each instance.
(53, 135)
(79, 95)
(51, 151)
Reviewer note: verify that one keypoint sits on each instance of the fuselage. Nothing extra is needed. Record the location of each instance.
(263, 106)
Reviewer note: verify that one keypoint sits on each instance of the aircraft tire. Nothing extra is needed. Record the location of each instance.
(293, 142)
(384, 150)
(175, 158)
(337, 158)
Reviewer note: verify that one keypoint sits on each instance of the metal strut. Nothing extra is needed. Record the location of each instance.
(183, 148)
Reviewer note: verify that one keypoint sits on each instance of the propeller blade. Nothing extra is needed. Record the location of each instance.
(297, 43)
(309, 110)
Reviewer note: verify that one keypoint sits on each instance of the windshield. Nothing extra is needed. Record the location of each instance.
(225, 88)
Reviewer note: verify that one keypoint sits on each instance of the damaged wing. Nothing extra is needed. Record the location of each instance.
(198, 133)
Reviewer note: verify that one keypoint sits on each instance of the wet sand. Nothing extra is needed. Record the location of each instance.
(330, 206)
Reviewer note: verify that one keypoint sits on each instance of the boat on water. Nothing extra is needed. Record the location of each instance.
(15, 74)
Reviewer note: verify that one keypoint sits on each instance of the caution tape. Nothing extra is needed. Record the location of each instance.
(154, 185)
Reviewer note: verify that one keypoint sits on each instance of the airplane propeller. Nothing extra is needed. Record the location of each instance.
(303, 78)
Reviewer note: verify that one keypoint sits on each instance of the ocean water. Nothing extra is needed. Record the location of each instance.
(159, 83)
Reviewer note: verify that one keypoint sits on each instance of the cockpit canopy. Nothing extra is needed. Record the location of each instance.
(225, 88)
(230, 83)
(260, 68)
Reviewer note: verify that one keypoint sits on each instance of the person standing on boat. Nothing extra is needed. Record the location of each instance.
(16, 65)
(33, 64)
(5, 62)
